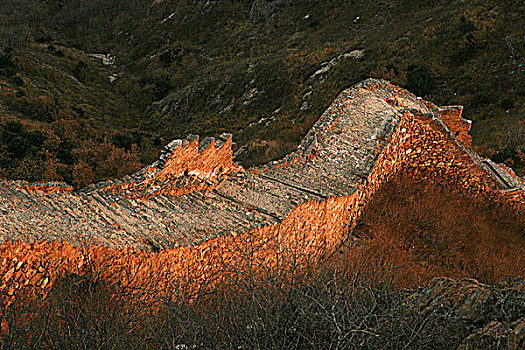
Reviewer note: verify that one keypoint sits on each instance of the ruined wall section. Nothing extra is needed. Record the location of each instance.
(421, 145)
(301, 241)
(458, 126)
(454, 123)
(422, 148)
(369, 88)
(339, 152)
(204, 161)
(38, 187)
(449, 117)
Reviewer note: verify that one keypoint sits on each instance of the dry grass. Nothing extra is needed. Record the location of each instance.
(438, 231)
(354, 309)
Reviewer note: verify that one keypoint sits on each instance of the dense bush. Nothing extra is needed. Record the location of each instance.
(64, 154)
(419, 80)
(18, 142)
(443, 231)
(81, 70)
(7, 66)
(16, 80)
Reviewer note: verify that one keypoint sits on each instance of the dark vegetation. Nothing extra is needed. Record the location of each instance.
(75, 151)
(85, 312)
(356, 308)
(209, 67)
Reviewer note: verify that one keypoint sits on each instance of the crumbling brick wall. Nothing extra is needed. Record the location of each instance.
(420, 145)
(457, 125)
(310, 231)
(204, 160)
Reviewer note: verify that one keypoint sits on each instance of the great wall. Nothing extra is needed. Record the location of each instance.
(193, 211)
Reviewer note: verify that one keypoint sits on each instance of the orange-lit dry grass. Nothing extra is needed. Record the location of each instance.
(426, 231)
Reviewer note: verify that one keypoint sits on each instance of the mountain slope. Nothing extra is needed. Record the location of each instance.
(211, 67)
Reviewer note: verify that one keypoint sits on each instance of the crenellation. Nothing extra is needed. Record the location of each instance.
(458, 126)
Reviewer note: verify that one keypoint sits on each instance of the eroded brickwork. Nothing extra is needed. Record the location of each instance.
(460, 127)
(310, 231)
(210, 209)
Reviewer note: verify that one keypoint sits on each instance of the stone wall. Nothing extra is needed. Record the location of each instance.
(195, 192)
(45, 187)
(423, 148)
(305, 237)
(459, 126)
(204, 160)
(371, 133)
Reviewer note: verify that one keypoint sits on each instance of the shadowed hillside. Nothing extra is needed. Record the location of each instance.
(140, 73)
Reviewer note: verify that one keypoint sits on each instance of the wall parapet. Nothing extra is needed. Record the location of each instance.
(203, 160)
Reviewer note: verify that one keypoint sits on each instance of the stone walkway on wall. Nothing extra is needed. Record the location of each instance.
(215, 197)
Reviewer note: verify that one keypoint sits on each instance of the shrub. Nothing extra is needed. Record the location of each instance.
(127, 140)
(511, 156)
(7, 66)
(419, 80)
(480, 99)
(507, 103)
(41, 108)
(5, 62)
(20, 93)
(82, 174)
(466, 25)
(80, 71)
(464, 51)
(64, 152)
(17, 80)
(43, 38)
(19, 142)
(158, 87)
(166, 57)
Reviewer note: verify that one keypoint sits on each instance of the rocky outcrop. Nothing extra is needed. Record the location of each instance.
(266, 9)
(490, 317)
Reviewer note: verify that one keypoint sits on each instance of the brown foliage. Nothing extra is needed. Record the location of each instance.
(82, 174)
(443, 231)
(75, 151)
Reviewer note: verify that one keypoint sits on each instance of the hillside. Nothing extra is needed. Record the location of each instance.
(209, 67)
